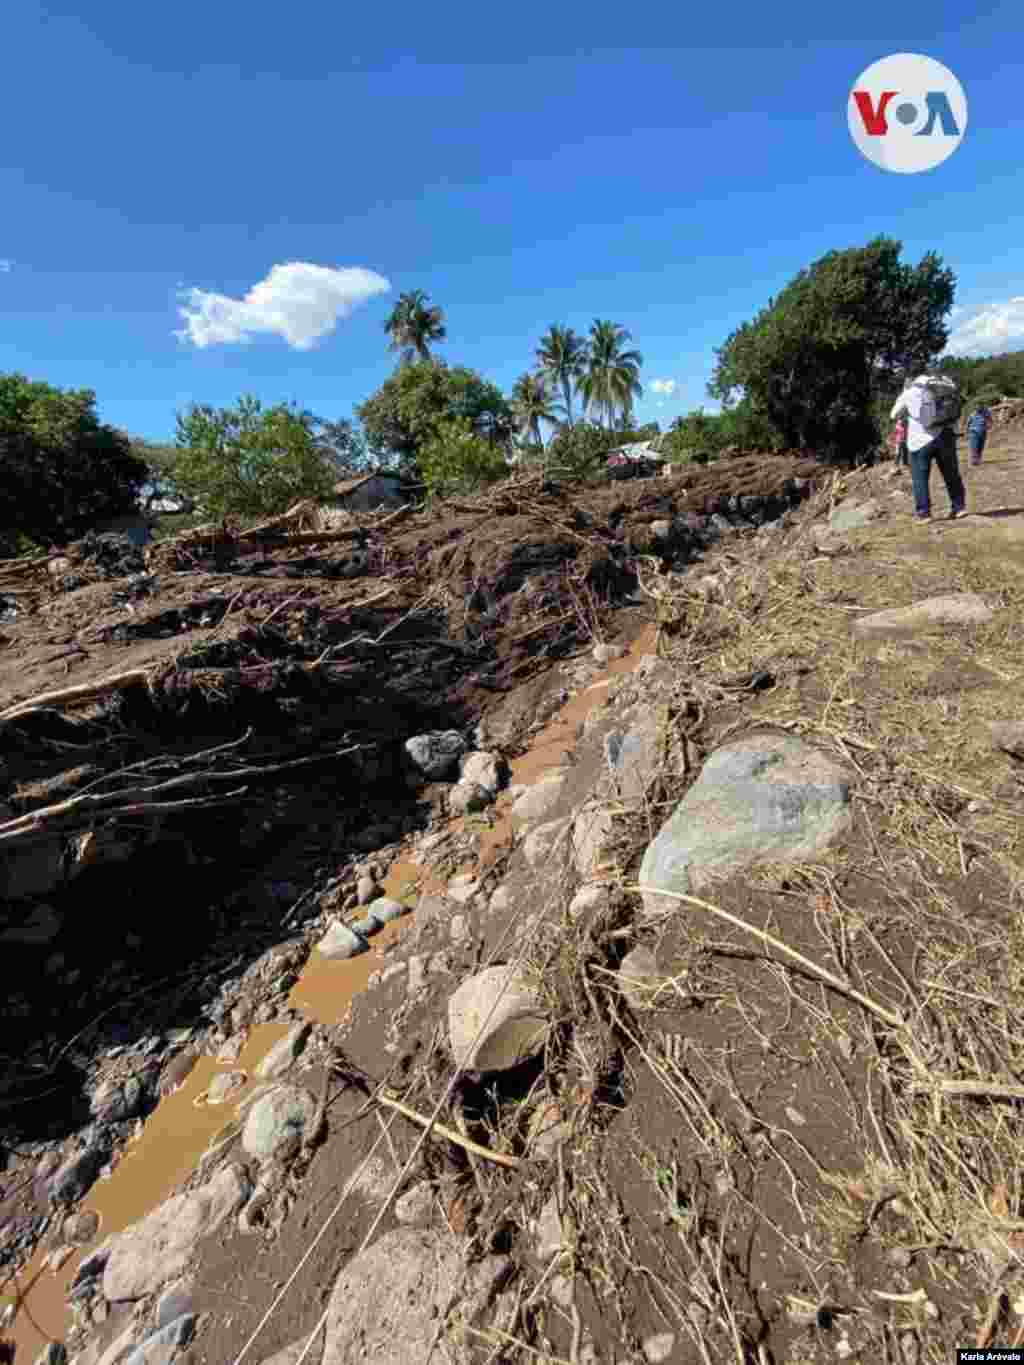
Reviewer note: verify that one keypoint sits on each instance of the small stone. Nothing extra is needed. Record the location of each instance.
(459, 929)
(224, 1085)
(436, 754)
(384, 910)
(900, 1257)
(80, 1228)
(639, 976)
(495, 1020)
(589, 899)
(465, 798)
(659, 1347)
(77, 1175)
(533, 803)
(366, 889)
(115, 1103)
(341, 942)
(417, 973)
(795, 1116)
(540, 844)
(366, 926)
(501, 899)
(604, 654)
(174, 1303)
(415, 1208)
(463, 889)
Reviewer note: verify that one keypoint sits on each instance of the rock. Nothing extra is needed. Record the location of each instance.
(224, 1085)
(850, 516)
(366, 889)
(535, 802)
(77, 1175)
(33, 870)
(1008, 735)
(467, 797)
(54, 1354)
(638, 975)
(42, 926)
(174, 1303)
(635, 757)
(160, 1347)
(436, 754)
(661, 529)
(658, 1348)
(59, 566)
(365, 927)
(485, 769)
(506, 1012)
(374, 1180)
(384, 910)
(763, 798)
(157, 1249)
(80, 1228)
(422, 1272)
(417, 978)
(459, 929)
(590, 899)
(284, 1052)
(462, 889)
(114, 1103)
(604, 654)
(177, 1071)
(277, 1122)
(415, 1208)
(115, 1354)
(956, 609)
(341, 942)
(591, 837)
(548, 1238)
(501, 900)
(540, 843)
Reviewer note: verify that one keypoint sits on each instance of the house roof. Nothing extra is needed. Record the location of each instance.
(344, 487)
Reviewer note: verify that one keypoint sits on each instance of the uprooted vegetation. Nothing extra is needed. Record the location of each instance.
(270, 675)
(801, 1136)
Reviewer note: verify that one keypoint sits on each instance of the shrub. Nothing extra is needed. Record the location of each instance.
(457, 460)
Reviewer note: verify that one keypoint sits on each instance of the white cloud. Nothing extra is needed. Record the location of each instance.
(6, 267)
(988, 330)
(300, 302)
(664, 388)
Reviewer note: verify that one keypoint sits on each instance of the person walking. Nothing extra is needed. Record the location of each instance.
(898, 441)
(978, 426)
(931, 406)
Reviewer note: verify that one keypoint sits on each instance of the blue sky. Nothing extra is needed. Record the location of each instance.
(265, 182)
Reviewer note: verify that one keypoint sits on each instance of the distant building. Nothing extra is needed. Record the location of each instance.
(366, 492)
(137, 526)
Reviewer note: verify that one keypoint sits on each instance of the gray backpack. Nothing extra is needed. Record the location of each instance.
(946, 397)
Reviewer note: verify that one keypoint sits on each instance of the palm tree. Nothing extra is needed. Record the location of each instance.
(562, 358)
(611, 384)
(531, 405)
(412, 326)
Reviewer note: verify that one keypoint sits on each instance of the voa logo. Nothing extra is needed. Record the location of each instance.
(907, 113)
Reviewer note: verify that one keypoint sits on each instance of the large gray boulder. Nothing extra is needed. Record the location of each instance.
(158, 1247)
(536, 801)
(763, 798)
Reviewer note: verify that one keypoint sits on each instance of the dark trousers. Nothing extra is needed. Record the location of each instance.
(976, 445)
(941, 449)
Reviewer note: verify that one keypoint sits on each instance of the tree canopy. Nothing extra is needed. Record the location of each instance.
(61, 469)
(404, 412)
(611, 381)
(248, 461)
(850, 327)
(562, 360)
(413, 326)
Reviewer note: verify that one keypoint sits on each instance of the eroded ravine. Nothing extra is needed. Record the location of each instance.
(182, 1127)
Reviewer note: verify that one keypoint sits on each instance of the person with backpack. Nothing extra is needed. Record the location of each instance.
(932, 405)
(978, 425)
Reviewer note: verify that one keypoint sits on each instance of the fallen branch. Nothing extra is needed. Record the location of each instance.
(887, 1016)
(69, 696)
(114, 803)
(449, 1134)
(972, 1089)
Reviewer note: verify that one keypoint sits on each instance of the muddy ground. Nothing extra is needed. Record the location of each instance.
(480, 613)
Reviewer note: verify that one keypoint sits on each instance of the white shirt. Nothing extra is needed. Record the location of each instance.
(919, 406)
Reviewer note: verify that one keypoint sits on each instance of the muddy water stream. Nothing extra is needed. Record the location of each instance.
(182, 1127)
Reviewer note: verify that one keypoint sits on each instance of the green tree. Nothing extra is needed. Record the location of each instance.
(248, 461)
(582, 450)
(456, 459)
(562, 359)
(61, 469)
(531, 405)
(611, 381)
(413, 326)
(851, 327)
(403, 414)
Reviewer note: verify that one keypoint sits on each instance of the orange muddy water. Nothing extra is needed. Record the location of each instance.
(180, 1130)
